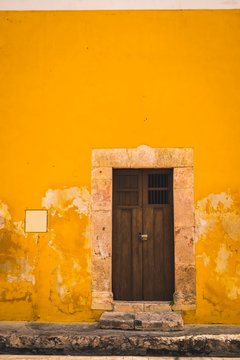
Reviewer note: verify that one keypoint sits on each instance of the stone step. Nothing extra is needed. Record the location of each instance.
(147, 321)
(139, 306)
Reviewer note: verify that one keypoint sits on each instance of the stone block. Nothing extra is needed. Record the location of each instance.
(101, 273)
(183, 300)
(183, 178)
(102, 195)
(102, 300)
(183, 208)
(110, 158)
(158, 321)
(102, 173)
(184, 307)
(161, 306)
(127, 307)
(143, 157)
(184, 246)
(175, 157)
(117, 320)
(101, 233)
(185, 281)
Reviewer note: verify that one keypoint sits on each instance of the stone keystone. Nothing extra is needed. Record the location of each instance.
(117, 320)
(158, 321)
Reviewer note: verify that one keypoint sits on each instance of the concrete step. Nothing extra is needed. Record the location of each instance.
(148, 321)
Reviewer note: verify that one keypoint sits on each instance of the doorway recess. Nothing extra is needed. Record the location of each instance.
(175, 161)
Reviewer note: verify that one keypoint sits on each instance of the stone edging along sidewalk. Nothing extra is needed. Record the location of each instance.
(88, 339)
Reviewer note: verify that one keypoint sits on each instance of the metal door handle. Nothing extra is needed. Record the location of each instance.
(143, 237)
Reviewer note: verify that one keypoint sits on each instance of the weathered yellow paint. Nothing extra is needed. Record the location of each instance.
(73, 81)
(217, 256)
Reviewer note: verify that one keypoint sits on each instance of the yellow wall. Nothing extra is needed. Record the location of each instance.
(73, 81)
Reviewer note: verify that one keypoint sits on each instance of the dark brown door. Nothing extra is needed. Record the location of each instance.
(143, 243)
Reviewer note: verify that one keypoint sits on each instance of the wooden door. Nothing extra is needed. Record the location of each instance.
(143, 267)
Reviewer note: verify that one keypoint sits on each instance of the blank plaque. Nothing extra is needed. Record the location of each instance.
(36, 221)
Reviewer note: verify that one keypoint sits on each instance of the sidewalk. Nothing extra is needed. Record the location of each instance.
(88, 339)
(63, 357)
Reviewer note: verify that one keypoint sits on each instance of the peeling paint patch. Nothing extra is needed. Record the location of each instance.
(5, 217)
(231, 225)
(205, 258)
(2, 222)
(218, 244)
(219, 201)
(4, 212)
(51, 245)
(19, 228)
(234, 293)
(61, 200)
(20, 271)
(222, 259)
(6, 221)
(69, 286)
(61, 289)
(17, 267)
(217, 208)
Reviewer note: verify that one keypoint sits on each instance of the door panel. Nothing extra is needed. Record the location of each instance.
(143, 203)
(136, 255)
(122, 253)
(127, 224)
(158, 267)
(158, 250)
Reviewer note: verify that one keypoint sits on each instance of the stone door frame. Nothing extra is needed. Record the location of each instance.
(143, 157)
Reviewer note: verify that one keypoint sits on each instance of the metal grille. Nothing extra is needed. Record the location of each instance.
(158, 180)
(158, 197)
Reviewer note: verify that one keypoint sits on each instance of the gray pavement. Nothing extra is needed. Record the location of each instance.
(78, 339)
(52, 357)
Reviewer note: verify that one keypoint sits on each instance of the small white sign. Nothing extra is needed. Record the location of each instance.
(36, 221)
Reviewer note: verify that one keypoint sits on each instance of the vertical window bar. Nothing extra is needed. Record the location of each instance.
(158, 197)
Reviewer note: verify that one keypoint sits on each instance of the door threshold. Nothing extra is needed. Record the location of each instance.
(141, 306)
